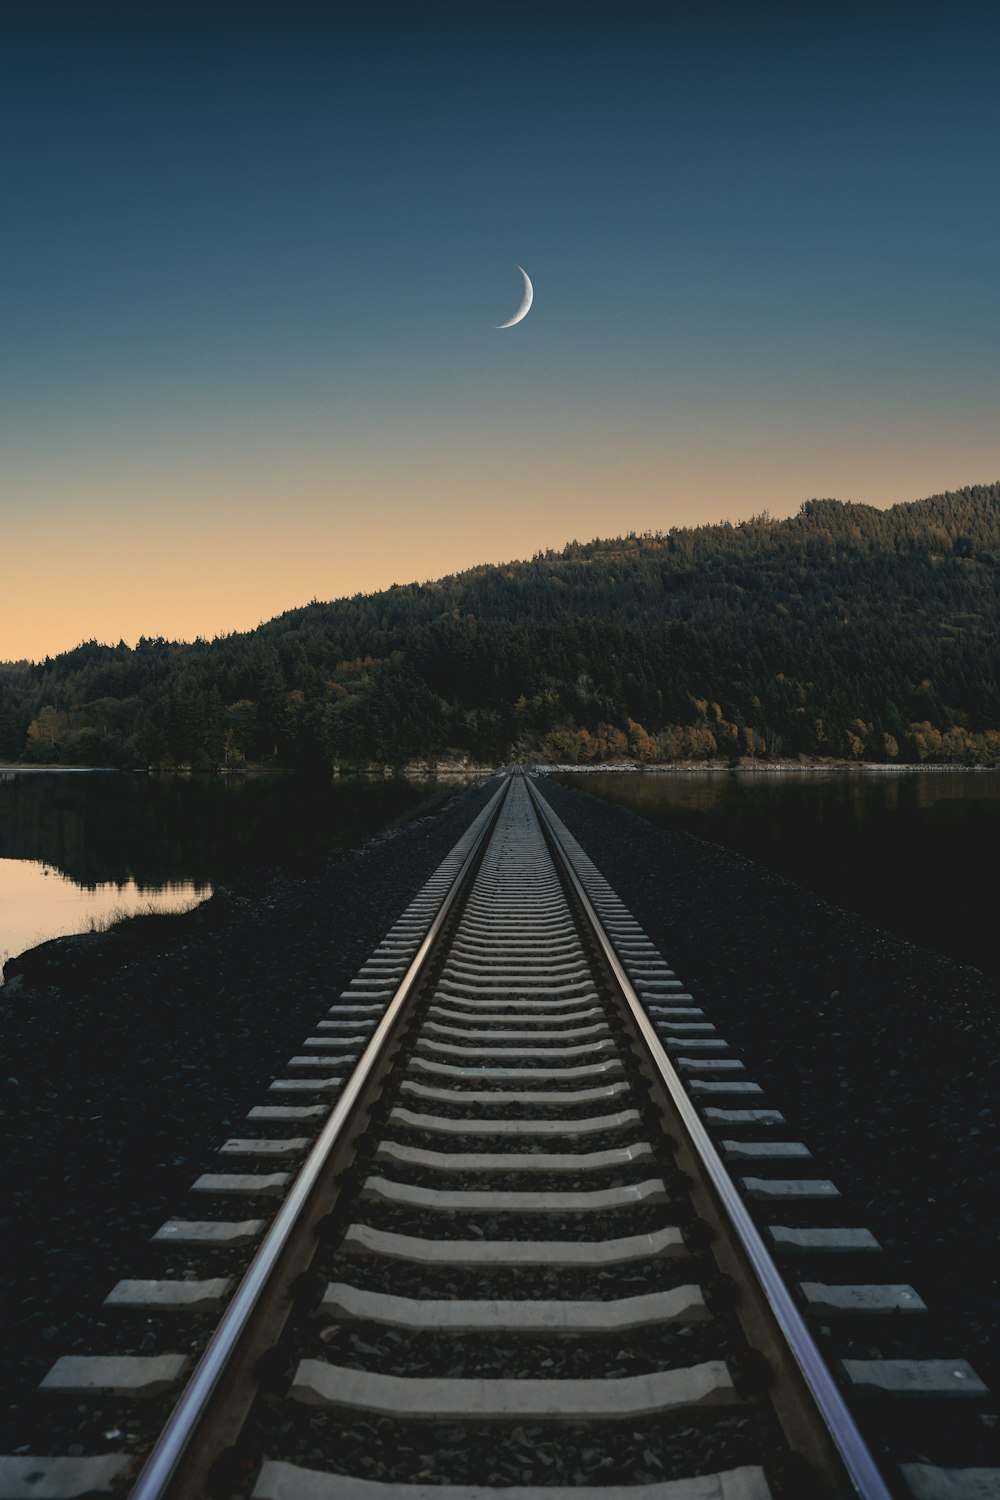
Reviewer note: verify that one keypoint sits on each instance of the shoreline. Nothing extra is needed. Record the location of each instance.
(883, 1057)
(132, 1054)
(758, 767)
(417, 771)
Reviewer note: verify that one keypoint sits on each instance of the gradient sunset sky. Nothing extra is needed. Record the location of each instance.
(253, 257)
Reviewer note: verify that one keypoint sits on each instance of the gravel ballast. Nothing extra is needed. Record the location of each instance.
(133, 1058)
(131, 1055)
(883, 1057)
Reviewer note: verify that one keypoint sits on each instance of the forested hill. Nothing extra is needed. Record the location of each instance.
(844, 631)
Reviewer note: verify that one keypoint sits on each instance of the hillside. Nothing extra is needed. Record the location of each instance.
(843, 631)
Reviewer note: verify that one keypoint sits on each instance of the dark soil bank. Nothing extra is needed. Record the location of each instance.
(883, 1057)
(129, 1056)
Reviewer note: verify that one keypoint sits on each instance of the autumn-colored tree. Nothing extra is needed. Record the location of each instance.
(641, 743)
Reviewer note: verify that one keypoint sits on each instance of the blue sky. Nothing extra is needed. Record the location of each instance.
(253, 257)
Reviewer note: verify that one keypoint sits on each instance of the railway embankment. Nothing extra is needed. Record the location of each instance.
(884, 1056)
(130, 1054)
(133, 1055)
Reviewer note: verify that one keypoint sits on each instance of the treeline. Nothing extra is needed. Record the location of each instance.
(844, 631)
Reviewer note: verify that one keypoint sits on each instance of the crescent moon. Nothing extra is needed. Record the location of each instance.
(525, 301)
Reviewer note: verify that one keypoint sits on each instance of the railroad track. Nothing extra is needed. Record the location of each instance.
(530, 1218)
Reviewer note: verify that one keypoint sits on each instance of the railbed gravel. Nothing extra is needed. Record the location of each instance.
(131, 1055)
(879, 1054)
(535, 1453)
(614, 1223)
(423, 1355)
(403, 1279)
(883, 1057)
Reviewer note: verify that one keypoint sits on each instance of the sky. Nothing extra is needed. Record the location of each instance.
(253, 256)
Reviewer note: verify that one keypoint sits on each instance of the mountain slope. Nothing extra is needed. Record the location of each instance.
(842, 631)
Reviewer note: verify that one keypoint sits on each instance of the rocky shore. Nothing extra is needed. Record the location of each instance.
(129, 1056)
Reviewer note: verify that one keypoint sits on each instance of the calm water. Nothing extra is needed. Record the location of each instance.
(79, 847)
(907, 851)
(912, 852)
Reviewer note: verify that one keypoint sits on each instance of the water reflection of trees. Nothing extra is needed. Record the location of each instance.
(101, 827)
(899, 849)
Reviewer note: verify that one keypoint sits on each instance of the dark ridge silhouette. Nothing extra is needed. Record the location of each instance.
(844, 631)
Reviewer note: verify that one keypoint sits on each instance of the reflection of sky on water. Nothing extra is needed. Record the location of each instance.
(37, 902)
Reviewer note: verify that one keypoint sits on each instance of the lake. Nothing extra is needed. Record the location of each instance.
(905, 849)
(79, 848)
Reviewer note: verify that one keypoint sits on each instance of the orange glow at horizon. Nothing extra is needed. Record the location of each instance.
(251, 351)
(221, 551)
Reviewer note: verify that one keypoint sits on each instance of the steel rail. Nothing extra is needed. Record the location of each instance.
(174, 1441)
(851, 1448)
